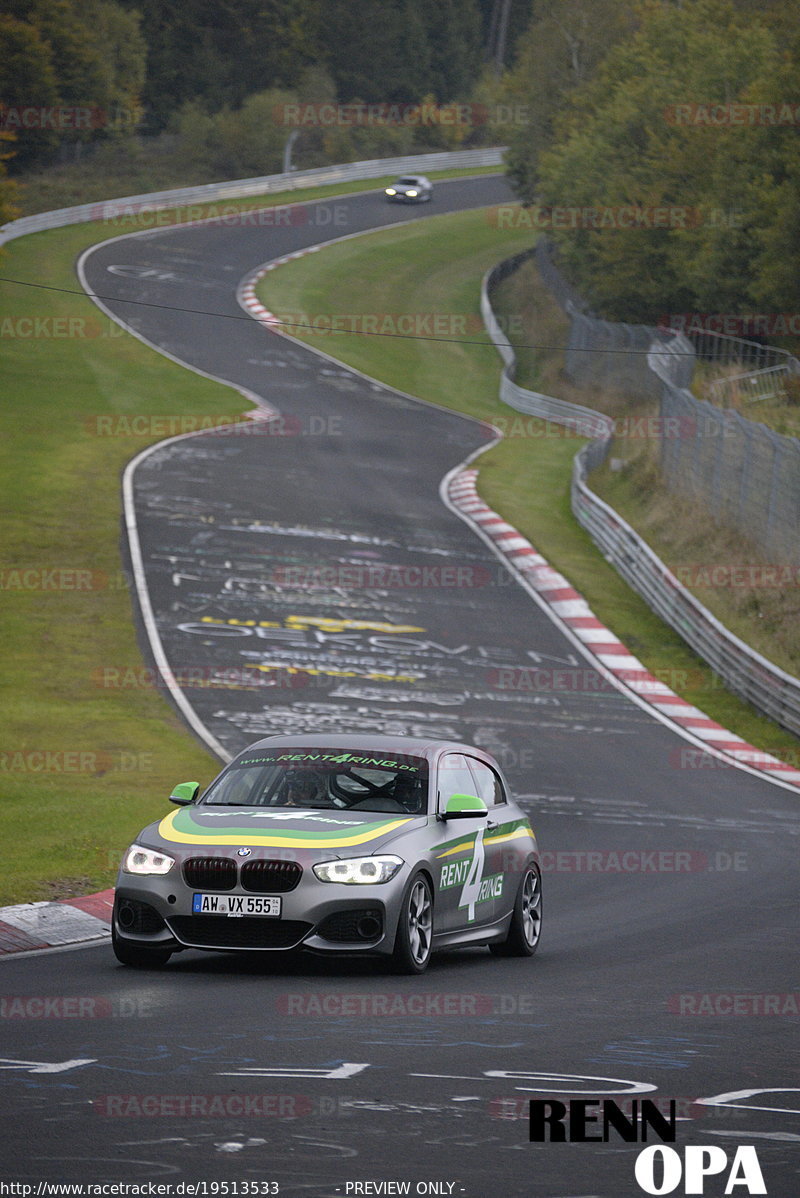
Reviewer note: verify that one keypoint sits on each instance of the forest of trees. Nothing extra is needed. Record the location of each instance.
(604, 105)
(691, 109)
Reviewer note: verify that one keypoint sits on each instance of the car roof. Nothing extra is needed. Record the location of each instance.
(411, 746)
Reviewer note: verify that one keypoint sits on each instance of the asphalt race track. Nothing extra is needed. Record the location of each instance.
(314, 579)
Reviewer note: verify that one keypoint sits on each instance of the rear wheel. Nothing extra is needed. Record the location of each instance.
(526, 921)
(136, 955)
(414, 940)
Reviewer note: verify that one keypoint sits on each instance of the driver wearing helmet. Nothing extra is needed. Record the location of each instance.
(305, 788)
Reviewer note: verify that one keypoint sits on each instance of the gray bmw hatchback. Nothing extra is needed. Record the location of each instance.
(356, 844)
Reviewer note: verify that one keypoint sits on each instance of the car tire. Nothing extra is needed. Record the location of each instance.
(525, 928)
(414, 939)
(136, 955)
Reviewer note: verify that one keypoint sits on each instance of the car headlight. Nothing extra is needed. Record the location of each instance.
(139, 860)
(412, 193)
(359, 871)
(391, 191)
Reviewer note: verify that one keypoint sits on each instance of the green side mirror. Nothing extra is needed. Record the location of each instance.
(465, 807)
(184, 793)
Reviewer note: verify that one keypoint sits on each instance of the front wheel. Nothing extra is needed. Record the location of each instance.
(526, 921)
(414, 940)
(136, 955)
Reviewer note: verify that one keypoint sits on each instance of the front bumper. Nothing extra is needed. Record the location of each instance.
(156, 912)
(402, 198)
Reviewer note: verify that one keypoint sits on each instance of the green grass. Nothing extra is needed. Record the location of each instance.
(436, 266)
(63, 827)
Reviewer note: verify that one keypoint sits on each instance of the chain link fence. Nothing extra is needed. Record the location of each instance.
(743, 473)
(760, 682)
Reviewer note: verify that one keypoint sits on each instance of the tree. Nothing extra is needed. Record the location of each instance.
(62, 53)
(502, 24)
(217, 52)
(625, 142)
(776, 227)
(560, 51)
(453, 31)
(377, 51)
(27, 78)
(9, 190)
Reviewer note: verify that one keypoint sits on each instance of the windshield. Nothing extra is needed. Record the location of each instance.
(323, 779)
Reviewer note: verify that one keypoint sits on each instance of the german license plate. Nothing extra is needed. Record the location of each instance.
(235, 904)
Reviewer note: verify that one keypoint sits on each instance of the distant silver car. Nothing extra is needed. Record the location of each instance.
(359, 844)
(410, 189)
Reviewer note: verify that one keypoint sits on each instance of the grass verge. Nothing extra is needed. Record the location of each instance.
(436, 267)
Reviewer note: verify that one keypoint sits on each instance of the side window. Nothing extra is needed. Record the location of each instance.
(455, 778)
(490, 788)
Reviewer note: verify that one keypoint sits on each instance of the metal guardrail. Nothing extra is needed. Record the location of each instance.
(242, 188)
(586, 422)
(760, 682)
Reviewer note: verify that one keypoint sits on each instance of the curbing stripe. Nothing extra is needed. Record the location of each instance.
(571, 610)
(27, 926)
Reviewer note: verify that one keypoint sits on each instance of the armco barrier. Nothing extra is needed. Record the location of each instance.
(241, 188)
(585, 421)
(771, 690)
